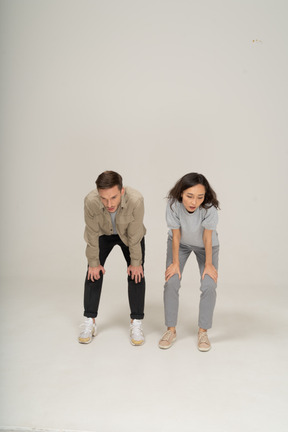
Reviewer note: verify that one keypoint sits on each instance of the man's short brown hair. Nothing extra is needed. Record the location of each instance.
(109, 179)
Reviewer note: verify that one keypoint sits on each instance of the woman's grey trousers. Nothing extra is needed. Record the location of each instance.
(207, 287)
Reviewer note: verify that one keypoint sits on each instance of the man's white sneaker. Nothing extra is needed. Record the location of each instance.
(88, 330)
(136, 333)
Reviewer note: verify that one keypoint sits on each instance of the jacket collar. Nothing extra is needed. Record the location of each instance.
(123, 202)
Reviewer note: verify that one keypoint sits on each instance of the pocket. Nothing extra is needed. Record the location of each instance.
(124, 219)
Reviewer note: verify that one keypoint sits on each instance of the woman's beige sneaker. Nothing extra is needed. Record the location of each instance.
(203, 341)
(167, 339)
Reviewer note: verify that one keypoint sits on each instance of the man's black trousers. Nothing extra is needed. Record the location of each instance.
(136, 291)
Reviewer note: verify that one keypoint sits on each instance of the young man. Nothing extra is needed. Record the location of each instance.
(114, 216)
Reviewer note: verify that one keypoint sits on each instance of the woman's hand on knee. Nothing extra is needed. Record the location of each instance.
(211, 271)
(171, 270)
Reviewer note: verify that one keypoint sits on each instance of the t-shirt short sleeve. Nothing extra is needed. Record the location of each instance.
(172, 218)
(210, 219)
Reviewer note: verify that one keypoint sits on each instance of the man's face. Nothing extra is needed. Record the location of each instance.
(111, 198)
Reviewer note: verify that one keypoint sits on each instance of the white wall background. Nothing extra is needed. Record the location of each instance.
(153, 90)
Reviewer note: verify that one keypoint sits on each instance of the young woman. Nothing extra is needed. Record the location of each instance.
(192, 219)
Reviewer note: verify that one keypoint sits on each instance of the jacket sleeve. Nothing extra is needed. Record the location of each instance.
(91, 235)
(135, 232)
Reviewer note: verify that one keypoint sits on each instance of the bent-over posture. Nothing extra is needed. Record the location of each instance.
(192, 219)
(114, 216)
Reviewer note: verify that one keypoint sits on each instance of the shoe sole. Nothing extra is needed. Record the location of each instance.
(87, 340)
(204, 349)
(136, 343)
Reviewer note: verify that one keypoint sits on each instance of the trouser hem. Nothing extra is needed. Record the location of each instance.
(137, 316)
(203, 326)
(170, 324)
(89, 315)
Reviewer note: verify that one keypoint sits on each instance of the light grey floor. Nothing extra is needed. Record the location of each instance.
(49, 381)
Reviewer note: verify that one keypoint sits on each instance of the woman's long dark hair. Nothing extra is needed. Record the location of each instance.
(190, 180)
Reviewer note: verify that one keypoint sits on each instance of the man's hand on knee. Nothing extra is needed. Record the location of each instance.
(94, 272)
(136, 273)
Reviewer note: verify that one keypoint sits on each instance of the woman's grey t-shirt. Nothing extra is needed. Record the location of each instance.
(192, 225)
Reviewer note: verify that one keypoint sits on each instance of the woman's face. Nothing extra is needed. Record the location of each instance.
(193, 197)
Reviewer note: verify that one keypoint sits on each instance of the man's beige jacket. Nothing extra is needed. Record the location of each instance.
(129, 224)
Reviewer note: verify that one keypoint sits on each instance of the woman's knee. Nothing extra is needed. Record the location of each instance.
(173, 284)
(208, 284)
